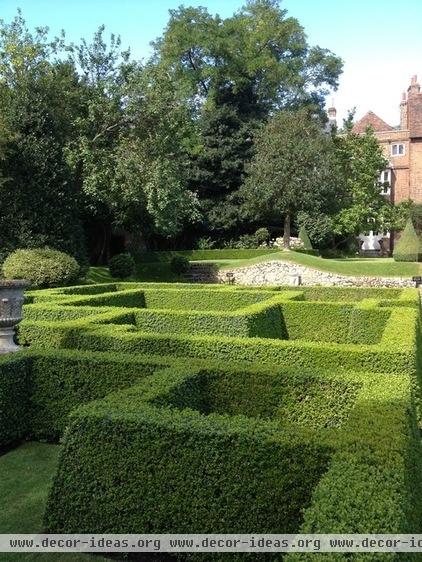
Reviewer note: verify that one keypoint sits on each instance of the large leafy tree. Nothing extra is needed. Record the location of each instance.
(132, 143)
(293, 170)
(235, 72)
(38, 101)
(359, 204)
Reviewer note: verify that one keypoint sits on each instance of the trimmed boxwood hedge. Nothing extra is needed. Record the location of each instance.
(156, 453)
(374, 481)
(39, 388)
(137, 451)
(395, 353)
(284, 314)
(15, 391)
(61, 381)
(349, 475)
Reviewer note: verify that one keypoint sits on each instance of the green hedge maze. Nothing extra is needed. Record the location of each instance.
(200, 409)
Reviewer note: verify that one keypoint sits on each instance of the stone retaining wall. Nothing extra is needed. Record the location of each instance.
(282, 273)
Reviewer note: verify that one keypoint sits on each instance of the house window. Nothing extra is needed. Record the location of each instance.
(385, 181)
(397, 149)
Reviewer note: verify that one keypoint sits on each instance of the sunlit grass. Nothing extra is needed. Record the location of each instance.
(25, 478)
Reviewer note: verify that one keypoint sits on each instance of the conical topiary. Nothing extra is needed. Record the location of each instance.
(408, 247)
(303, 235)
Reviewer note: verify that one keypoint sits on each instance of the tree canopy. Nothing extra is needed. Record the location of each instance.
(220, 132)
(259, 49)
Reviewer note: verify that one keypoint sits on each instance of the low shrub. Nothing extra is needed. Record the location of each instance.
(258, 350)
(203, 299)
(408, 247)
(257, 320)
(44, 267)
(121, 266)
(262, 236)
(352, 323)
(179, 265)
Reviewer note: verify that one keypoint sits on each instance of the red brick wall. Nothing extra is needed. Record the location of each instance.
(416, 170)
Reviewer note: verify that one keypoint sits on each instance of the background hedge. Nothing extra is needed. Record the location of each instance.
(395, 353)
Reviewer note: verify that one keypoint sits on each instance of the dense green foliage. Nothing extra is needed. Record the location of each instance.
(151, 420)
(192, 255)
(14, 398)
(155, 150)
(233, 453)
(267, 327)
(62, 381)
(192, 145)
(121, 266)
(409, 246)
(275, 62)
(43, 267)
(364, 207)
(326, 183)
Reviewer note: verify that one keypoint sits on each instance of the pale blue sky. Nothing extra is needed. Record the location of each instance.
(380, 41)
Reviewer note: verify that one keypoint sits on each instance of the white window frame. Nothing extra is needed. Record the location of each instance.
(385, 190)
(397, 145)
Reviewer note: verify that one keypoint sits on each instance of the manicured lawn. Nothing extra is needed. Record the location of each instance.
(25, 477)
(160, 270)
(378, 267)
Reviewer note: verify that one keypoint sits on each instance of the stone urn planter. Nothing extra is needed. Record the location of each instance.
(11, 302)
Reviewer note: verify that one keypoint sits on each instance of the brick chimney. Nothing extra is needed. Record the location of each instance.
(414, 87)
(403, 112)
(414, 109)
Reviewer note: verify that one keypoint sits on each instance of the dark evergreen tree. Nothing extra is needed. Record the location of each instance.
(227, 128)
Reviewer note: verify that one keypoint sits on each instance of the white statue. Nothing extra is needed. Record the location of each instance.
(371, 242)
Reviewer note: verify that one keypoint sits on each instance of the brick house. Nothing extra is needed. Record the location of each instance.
(402, 146)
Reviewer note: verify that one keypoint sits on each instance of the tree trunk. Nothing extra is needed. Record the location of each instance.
(286, 234)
